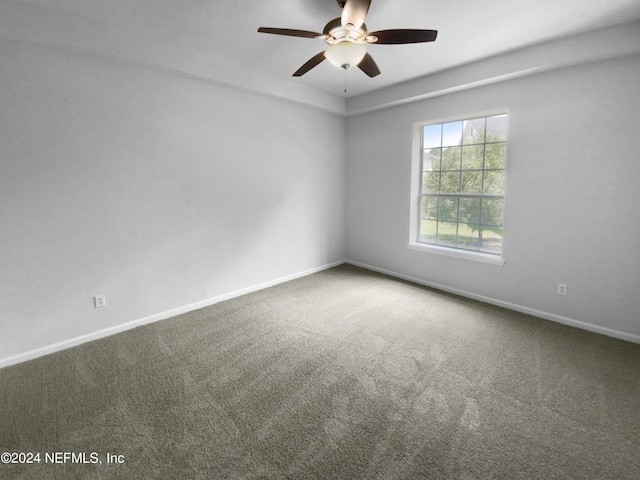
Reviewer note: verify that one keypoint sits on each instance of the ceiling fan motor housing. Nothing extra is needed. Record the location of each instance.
(334, 32)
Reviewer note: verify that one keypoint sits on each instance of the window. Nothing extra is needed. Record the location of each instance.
(459, 183)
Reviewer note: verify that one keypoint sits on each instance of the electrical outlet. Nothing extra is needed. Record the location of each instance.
(562, 289)
(333, 245)
(100, 300)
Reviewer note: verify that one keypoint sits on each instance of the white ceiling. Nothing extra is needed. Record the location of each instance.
(219, 39)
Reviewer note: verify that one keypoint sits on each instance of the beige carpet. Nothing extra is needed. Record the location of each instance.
(344, 374)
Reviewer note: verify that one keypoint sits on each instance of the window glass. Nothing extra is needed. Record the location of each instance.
(463, 184)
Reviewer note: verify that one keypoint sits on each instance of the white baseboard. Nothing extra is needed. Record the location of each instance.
(72, 342)
(511, 306)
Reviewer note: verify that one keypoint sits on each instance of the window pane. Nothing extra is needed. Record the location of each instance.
(472, 157)
(450, 182)
(492, 211)
(473, 131)
(447, 234)
(471, 182)
(430, 182)
(468, 236)
(494, 182)
(463, 183)
(431, 159)
(497, 128)
(491, 240)
(451, 158)
(428, 231)
(451, 134)
(429, 207)
(469, 210)
(494, 155)
(448, 209)
(432, 136)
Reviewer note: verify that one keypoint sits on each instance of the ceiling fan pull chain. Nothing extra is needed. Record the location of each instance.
(345, 80)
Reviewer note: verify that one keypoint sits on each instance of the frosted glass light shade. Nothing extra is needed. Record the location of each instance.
(345, 54)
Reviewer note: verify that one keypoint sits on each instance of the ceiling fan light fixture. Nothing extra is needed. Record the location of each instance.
(345, 54)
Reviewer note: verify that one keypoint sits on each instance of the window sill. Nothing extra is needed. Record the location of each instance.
(452, 252)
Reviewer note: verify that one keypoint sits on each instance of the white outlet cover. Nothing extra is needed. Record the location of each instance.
(100, 301)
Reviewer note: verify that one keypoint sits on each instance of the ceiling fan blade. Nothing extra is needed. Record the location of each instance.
(316, 60)
(354, 12)
(290, 32)
(403, 35)
(369, 66)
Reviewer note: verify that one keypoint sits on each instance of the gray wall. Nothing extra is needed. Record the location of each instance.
(158, 190)
(571, 214)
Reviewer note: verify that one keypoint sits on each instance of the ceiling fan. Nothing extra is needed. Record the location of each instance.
(347, 37)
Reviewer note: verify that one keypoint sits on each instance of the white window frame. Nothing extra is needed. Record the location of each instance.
(416, 182)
